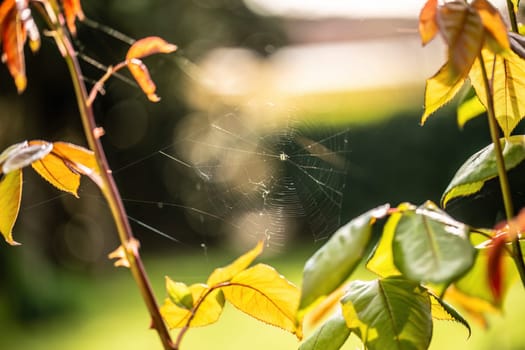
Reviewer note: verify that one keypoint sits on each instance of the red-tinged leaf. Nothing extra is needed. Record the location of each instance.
(226, 273)
(439, 90)
(264, 294)
(462, 28)
(72, 11)
(10, 198)
(13, 37)
(495, 266)
(141, 74)
(428, 26)
(149, 46)
(207, 308)
(493, 22)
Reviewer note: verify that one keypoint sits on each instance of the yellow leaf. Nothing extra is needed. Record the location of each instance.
(382, 262)
(493, 22)
(428, 26)
(226, 273)
(264, 294)
(208, 305)
(469, 109)
(10, 197)
(508, 86)
(463, 31)
(64, 165)
(440, 90)
(54, 170)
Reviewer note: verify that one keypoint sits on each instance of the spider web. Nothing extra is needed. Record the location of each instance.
(261, 178)
(266, 180)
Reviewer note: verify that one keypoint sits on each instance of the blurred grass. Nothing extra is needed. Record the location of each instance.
(107, 313)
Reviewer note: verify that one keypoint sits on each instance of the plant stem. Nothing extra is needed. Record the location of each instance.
(502, 171)
(512, 16)
(110, 190)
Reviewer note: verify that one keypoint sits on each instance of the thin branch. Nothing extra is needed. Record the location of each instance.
(108, 186)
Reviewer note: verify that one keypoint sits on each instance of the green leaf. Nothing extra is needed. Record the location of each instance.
(441, 310)
(508, 86)
(430, 246)
(264, 294)
(481, 167)
(439, 90)
(390, 313)
(10, 198)
(469, 108)
(179, 293)
(333, 263)
(331, 335)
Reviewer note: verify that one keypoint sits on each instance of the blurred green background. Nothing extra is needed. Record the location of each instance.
(357, 73)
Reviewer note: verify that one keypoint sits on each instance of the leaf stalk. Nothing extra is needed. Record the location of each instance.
(502, 172)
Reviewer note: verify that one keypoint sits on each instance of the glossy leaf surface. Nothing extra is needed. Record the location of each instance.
(429, 246)
(331, 335)
(481, 167)
(390, 313)
(23, 154)
(333, 263)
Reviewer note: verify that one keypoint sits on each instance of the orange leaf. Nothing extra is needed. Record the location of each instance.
(224, 274)
(72, 11)
(428, 27)
(63, 166)
(264, 294)
(208, 306)
(142, 48)
(493, 22)
(149, 46)
(13, 35)
(463, 31)
(141, 74)
(53, 169)
(10, 198)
